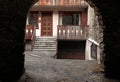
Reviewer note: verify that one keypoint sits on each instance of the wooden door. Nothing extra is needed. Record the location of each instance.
(46, 24)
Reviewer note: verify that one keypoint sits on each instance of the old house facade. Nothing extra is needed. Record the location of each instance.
(69, 23)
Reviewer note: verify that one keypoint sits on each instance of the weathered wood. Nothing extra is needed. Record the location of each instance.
(46, 2)
(72, 32)
(70, 2)
(62, 2)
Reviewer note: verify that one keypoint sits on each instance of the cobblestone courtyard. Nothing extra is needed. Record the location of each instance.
(42, 67)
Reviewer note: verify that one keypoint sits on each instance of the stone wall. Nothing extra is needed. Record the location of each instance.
(108, 16)
(95, 30)
(12, 26)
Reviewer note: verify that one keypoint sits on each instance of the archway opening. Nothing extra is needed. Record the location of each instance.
(84, 16)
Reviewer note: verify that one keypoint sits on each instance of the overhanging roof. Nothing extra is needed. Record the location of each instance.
(59, 8)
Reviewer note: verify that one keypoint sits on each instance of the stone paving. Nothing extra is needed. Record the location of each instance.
(43, 67)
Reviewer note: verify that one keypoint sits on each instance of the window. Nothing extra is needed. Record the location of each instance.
(94, 51)
(69, 18)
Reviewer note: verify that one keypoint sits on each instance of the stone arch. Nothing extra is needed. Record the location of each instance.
(109, 21)
(12, 27)
(12, 30)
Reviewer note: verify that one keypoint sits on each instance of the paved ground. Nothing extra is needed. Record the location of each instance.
(42, 67)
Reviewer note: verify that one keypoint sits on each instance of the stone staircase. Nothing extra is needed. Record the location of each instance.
(45, 44)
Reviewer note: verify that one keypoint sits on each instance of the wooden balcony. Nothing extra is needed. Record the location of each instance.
(70, 2)
(70, 32)
(46, 2)
(76, 5)
(62, 2)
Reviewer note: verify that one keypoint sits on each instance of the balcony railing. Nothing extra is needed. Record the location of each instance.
(70, 2)
(69, 32)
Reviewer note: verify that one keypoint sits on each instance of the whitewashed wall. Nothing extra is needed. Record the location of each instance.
(88, 50)
(55, 22)
(91, 16)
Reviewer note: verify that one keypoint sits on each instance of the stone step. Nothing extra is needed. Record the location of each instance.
(45, 44)
(50, 38)
(45, 41)
(46, 37)
(44, 49)
(41, 46)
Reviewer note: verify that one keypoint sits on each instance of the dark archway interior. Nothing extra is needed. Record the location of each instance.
(12, 26)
